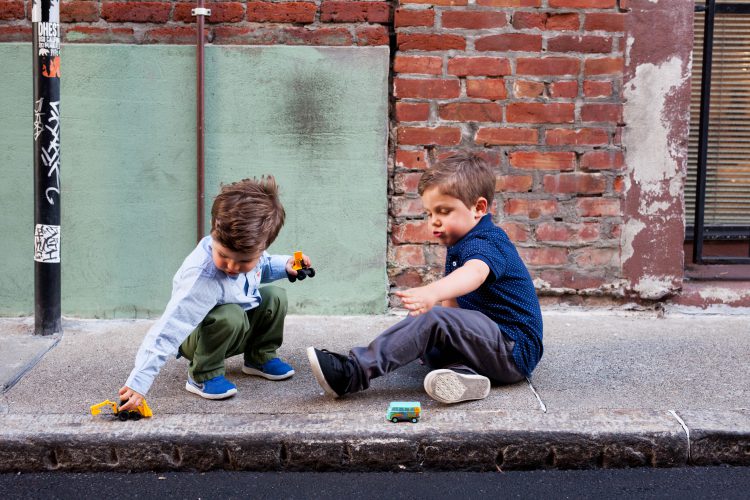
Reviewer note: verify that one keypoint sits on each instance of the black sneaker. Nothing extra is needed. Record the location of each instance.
(332, 371)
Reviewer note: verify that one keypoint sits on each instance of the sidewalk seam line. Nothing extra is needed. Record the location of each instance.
(685, 428)
(541, 403)
(27, 368)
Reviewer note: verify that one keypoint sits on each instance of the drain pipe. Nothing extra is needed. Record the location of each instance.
(200, 12)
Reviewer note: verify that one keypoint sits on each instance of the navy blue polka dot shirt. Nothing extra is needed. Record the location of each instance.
(507, 296)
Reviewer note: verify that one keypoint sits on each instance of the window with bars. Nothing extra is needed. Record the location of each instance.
(717, 191)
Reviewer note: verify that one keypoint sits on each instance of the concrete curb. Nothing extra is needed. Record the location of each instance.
(349, 442)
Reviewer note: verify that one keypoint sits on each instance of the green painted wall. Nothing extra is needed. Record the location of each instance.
(316, 118)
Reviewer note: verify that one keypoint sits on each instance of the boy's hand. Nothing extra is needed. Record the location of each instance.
(305, 260)
(417, 300)
(133, 398)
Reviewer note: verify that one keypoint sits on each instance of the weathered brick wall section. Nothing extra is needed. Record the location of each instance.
(537, 86)
(342, 23)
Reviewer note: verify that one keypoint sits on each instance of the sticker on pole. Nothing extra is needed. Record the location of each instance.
(47, 243)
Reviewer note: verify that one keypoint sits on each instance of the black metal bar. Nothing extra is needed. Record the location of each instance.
(736, 8)
(45, 18)
(200, 13)
(700, 190)
(726, 260)
(720, 233)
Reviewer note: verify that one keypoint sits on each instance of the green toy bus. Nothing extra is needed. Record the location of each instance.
(403, 411)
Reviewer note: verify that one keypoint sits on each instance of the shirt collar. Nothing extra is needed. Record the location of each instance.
(484, 223)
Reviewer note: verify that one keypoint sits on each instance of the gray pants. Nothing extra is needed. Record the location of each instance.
(444, 337)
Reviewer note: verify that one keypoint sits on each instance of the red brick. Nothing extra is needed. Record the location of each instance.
(409, 255)
(515, 231)
(402, 206)
(598, 207)
(411, 232)
(547, 66)
(562, 278)
(425, 65)
(355, 12)
(286, 35)
(76, 12)
(604, 21)
(408, 278)
(611, 113)
(170, 34)
(509, 41)
(94, 34)
(615, 231)
(576, 137)
(408, 17)
(534, 112)
(438, 136)
(12, 9)
(490, 88)
(592, 88)
(528, 89)
(281, 12)
(574, 183)
(563, 22)
(221, 12)
(412, 112)
(479, 66)
(506, 136)
(406, 182)
(559, 160)
(372, 35)
(600, 160)
(604, 66)
(474, 20)
(510, 3)
(582, 4)
(514, 183)
(411, 159)
(418, 41)
(529, 20)
(570, 233)
(618, 185)
(426, 88)
(533, 209)
(563, 89)
(544, 256)
(445, 3)
(597, 257)
(471, 112)
(136, 12)
(583, 44)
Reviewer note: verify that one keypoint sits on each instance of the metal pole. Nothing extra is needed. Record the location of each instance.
(200, 12)
(45, 18)
(700, 191)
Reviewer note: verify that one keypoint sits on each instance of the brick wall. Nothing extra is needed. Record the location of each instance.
(536, 85)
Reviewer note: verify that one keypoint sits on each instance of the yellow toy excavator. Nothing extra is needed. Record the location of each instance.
(142, 410)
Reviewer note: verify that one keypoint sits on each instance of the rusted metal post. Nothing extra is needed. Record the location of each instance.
(200, 12)
(45, 18)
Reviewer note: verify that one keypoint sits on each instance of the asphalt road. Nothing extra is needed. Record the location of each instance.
(647, 483)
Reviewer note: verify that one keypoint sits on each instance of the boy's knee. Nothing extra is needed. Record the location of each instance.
(228, 316)
(275, 296)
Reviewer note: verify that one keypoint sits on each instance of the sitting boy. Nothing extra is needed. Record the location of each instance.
(217, 310)
(480, 323)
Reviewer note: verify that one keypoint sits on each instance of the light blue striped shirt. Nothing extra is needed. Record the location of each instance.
(198, 287)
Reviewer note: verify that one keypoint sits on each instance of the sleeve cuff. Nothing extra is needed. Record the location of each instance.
(277, 266)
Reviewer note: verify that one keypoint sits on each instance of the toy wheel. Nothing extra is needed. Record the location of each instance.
(122, 416)
(134, 415)
(311, 272)
(413, 420)
(394, 420)
(291, 278)
(301, 274)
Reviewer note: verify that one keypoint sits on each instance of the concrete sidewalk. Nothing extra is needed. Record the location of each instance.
(613, 390)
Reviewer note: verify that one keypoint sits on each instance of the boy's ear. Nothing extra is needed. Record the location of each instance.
(481, 206)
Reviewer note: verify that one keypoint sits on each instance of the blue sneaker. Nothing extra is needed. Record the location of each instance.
(274, 369)
(214, 388)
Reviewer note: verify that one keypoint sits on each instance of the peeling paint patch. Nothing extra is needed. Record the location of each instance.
(724, 295)
(654, 287)
(630, 230)
(649, 126)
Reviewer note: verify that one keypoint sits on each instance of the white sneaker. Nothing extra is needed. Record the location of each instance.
(448, 386)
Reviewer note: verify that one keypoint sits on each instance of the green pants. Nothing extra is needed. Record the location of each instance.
(228, 330)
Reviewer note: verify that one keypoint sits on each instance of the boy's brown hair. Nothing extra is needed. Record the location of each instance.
(463, 175)
(247, 215)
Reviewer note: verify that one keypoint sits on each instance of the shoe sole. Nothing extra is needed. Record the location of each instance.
(449, 387)
(191, 388)
(318, 372)
(247, 370)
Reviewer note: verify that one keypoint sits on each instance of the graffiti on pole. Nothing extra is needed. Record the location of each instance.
(51, 154)
(47, 243)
